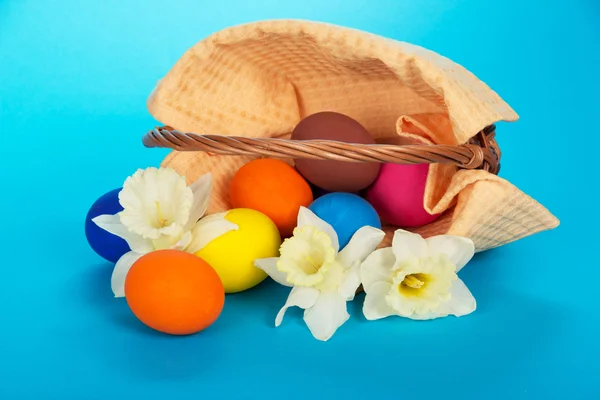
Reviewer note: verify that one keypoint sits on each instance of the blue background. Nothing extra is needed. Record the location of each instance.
(74, 78)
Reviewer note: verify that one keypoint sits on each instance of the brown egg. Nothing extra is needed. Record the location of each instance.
(335, 176)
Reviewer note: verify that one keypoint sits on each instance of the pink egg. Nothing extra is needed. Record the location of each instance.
(397, 195)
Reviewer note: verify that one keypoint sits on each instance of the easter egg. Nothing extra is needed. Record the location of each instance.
(318, 192)
(346, 213)
(331, 175)
(174, 292)
(105, 244)
(232, 255)
(398, 194)
(274, 188)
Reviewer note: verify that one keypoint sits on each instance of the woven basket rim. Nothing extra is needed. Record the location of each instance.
(481, 152)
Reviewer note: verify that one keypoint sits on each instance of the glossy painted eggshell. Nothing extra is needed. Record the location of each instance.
(232, 254)
(105, 244)
(346, 213)
(174, 292)
(274, 188)
(330, 175)
(397, 194)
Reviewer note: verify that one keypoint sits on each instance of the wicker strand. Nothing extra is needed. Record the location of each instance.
(482, 152)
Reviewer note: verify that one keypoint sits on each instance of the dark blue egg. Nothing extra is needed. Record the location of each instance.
(105, 244)
(346, 213)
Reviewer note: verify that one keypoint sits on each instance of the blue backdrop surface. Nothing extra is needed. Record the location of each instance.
(74, 78)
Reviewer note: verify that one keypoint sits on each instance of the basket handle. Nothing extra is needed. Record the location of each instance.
(482, 151)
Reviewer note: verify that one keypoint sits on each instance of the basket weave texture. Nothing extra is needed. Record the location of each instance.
(237, 94)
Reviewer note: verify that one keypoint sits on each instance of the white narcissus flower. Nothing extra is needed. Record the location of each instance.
(160, 211)
(322, 278)
(416, 278)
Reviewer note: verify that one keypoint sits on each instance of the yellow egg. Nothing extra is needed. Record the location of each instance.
(232, 255)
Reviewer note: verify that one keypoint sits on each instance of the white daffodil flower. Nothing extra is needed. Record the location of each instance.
(160, 211)
(416, 278)
(322, 278)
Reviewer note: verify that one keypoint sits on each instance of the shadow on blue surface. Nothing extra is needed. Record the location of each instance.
(110, 309)
(146, 353)
(136, 349)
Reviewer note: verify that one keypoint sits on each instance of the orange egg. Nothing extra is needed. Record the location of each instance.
(174, 292)
(274, 188)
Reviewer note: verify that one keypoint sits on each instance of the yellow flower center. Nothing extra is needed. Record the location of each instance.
(413, 284)
(162, 222)
(313, 264)
(421, 285)
(306, 256)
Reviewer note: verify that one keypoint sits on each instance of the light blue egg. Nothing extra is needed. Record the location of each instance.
(346, 213)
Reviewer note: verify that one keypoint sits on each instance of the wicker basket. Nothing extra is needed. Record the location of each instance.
(237, 94)
(482, 151)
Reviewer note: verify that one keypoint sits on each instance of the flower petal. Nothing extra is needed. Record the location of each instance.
(407, 244)
(423, 317)
(156, 202)
(269, 265)
(307, 258)
(459, 249)
(326, 315)
(112, 224)
(117, 280)
(377, 267)
(362, 243)
(202, 189)
(462, 301)
(303, 297)
(351, 282)
(375, 305)
(184, 242)
(308, 218)
(208, 229)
